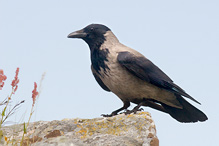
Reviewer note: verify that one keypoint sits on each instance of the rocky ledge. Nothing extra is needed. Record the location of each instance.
(121, 130)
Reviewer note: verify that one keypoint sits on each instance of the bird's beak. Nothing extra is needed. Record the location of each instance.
(77, 34)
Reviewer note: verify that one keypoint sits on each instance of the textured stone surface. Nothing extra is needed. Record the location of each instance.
(121, 130)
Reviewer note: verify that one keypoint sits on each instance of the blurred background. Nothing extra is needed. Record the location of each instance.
(181, 37)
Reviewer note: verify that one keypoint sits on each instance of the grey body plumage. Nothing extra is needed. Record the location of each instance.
(134, 78)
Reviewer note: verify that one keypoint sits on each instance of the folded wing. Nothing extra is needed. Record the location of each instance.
(147, 71)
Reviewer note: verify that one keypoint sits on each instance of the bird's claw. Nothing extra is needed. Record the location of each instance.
(127, 112)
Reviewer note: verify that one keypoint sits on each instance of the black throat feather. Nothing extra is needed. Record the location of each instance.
(98, 57)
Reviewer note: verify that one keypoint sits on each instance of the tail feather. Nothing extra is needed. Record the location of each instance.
(189, 113)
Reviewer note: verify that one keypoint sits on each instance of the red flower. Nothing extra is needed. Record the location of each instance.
(15, 81)
(2, 79)
(34, 93)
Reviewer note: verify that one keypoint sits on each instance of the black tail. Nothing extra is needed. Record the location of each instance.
(189, 113)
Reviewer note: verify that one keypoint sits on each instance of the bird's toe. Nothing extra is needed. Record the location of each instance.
(109, 115)
(127, 112)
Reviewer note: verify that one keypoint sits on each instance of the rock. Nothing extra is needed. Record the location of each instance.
(121, 130)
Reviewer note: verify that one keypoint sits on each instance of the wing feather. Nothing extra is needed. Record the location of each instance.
(147, 71)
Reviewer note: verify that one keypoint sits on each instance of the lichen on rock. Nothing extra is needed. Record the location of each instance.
(125, 130)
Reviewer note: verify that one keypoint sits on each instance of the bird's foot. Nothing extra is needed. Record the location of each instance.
(109, 115)
(134, 110)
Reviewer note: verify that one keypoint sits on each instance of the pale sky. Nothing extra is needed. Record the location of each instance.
(181, 37)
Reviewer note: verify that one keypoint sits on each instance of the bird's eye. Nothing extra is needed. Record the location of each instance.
(92, 29)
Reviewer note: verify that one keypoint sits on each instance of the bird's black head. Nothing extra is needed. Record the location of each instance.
(92, 34)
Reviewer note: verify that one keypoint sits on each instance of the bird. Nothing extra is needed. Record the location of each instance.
(134, 78)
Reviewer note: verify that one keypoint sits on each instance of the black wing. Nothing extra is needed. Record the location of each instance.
(147, 71)
(99, 81)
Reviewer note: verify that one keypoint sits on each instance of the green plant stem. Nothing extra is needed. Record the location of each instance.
(31, 113)
(10, 112)
(9, 98)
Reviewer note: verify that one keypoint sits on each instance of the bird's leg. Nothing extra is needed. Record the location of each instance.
(135, 109)
(125, 106)
(130, 111)
(148, 103)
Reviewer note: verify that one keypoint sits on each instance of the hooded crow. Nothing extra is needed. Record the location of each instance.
(133, 78)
